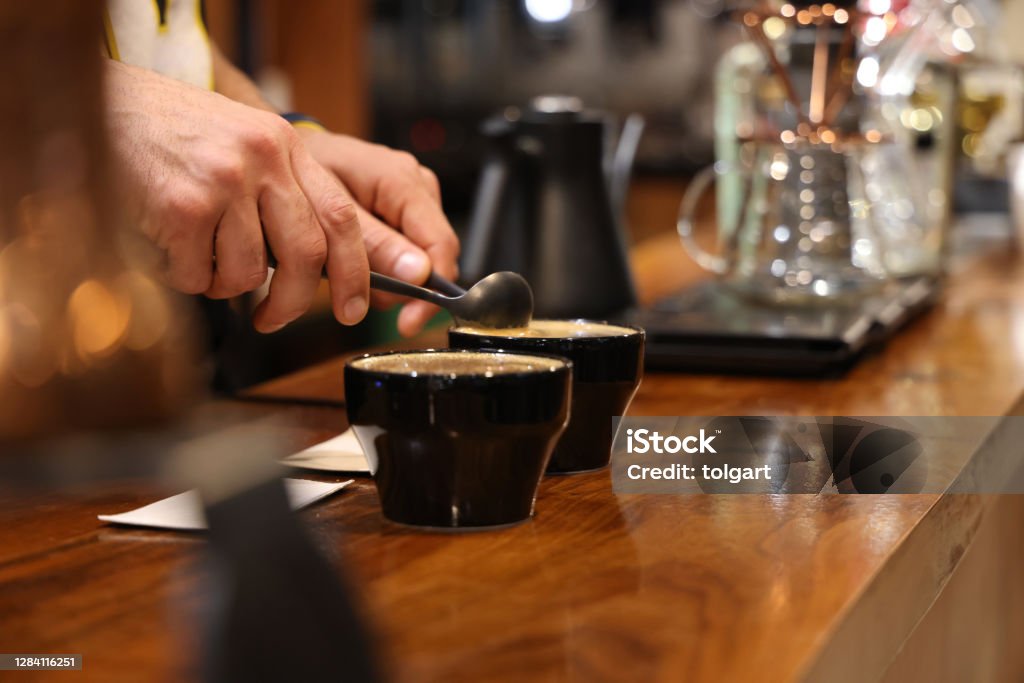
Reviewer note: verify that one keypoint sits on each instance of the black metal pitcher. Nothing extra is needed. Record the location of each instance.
(549, 206)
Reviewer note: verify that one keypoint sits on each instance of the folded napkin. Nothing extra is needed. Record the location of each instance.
(185, 511)
(339, 454)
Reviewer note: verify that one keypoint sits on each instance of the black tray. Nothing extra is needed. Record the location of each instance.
(707, 328)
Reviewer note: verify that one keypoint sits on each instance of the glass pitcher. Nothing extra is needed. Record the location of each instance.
(808, 225)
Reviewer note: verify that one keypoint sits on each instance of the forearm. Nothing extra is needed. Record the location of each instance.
(232, 82)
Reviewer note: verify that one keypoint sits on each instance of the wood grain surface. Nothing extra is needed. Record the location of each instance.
(598, 587)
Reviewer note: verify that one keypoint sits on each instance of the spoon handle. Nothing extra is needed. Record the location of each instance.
(384, 283)
(438, 290)
(440, 284)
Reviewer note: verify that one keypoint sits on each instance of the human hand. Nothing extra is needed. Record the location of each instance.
(405, 230)
(212, 182)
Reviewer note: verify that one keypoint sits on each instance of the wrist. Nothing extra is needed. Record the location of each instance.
(303, 123)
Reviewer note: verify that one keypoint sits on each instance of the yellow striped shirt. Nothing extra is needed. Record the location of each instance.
(167, 36)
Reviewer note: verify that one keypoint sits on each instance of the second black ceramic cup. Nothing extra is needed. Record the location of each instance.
(608, 363)
(457, 439)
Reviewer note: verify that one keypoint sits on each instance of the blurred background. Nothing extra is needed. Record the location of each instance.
(422, 75)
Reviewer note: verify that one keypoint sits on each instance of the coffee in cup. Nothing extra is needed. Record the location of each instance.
(457, 438)
(607, 367)
(552, 329)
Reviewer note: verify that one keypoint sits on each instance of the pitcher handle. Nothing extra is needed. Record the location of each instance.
(685, 224)
(479, 245)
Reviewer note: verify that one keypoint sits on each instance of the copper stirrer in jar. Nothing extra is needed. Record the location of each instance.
(831, 84)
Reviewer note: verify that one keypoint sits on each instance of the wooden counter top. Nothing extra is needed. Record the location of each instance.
(600, 587)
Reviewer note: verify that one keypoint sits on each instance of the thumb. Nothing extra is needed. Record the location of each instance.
(391, 253)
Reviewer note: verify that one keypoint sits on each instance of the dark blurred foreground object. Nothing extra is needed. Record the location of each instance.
(279, 611)
(549, 207)
(97, 370)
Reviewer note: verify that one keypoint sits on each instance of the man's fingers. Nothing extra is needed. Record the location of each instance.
(394, 186)
(409, 207)
(241, 264)
(185, 233)
(391, 253)
(347, 267)
(300, 247)
(431, 183)
(190, 263)
(414, 316)
(388, 256)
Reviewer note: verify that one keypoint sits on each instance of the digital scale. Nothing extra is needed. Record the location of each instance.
(707, 328)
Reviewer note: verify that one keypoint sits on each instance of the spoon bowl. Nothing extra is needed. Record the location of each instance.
(500, 300)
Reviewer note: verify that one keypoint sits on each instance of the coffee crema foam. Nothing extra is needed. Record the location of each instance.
(553, 329)
(448, 363)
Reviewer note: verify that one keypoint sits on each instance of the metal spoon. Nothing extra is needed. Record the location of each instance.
(501, 300)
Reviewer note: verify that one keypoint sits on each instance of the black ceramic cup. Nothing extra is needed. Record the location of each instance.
(608, 362)
(457, 439)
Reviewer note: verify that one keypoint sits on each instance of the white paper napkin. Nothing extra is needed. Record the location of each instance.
(185, 512)
(339, 454)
